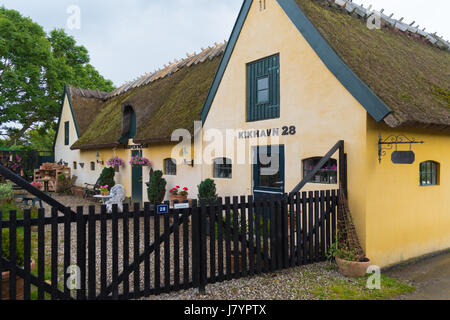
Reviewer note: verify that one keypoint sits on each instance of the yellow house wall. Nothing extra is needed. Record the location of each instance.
(312, 99)
(403, 219)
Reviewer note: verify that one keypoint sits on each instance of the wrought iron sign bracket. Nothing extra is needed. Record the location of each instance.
(391, 141)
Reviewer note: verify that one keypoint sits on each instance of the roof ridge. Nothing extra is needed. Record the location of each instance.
(397, 24)
(87, 93)
(170, 68)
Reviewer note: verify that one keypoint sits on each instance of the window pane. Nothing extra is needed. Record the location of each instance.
(222, 168)
(263, 83)
(263, 96)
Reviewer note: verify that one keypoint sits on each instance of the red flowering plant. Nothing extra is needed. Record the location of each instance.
(174, 191)
(184, 192)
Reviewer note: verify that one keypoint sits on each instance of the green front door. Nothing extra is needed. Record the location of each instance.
(268, 171)
(136, 179)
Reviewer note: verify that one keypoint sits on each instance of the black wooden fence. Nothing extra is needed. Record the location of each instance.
(137, 253)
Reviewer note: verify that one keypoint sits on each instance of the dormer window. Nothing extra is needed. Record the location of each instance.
(128, 124)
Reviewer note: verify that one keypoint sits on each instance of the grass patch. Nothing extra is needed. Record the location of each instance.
(355, 289)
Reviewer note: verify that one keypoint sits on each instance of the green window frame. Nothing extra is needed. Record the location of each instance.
(263, 89)
(429, 173)
(66, 133)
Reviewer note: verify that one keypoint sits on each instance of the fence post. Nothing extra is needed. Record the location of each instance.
(202, 247)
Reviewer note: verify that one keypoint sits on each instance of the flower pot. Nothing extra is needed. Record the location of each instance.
(19, 284)
(352, 268)
(178, 198)
(104, 193)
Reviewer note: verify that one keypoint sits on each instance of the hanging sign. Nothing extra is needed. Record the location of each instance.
(136, 146)
(403, 157)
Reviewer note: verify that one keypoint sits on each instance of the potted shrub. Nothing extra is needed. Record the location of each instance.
(20, 262)
(207, 190)
(349, 262)
(156, 190)
(107, 178)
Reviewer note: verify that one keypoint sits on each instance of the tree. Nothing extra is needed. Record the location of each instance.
(34, 68)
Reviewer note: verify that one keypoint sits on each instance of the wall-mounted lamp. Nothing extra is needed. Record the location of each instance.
(82, 164)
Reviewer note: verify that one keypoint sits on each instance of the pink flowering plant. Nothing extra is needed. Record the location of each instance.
(115, 162)
(139, 162)
(104, 188)
(37, 185)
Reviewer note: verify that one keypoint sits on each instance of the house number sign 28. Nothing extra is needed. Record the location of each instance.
(274, 132)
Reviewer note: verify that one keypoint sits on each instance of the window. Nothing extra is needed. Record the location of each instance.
(263, 89)
(170, 167)
(327, 174)
(74, 165)
(92, 166)
(429, 173)
(222, 168)
(66, 133)
(128, 124)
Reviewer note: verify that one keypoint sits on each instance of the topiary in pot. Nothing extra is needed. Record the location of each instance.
(107, 177)
(207, 190)
(157, 188)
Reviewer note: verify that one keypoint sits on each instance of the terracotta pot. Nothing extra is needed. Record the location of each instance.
(174, 198)
(353, 268)
(19, 284)
(104, 193)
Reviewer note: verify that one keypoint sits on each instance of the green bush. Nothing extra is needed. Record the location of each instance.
(342, 252)
(107, 177)
(19, 246)
(157, 188)
(6, 192)
(207, 190)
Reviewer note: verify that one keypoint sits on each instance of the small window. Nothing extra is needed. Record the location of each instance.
(326, 175)
(170, 167)
(92, 166)
(74, 165)
(222, 168)
(66, 133)
(263, 89)
(429, 173)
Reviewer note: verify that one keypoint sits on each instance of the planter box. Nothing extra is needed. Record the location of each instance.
(19, 285)
(353, 268)
(178, 198)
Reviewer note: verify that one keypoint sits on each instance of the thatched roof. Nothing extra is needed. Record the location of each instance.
(163, 101)
(406, 67)
(86, 104)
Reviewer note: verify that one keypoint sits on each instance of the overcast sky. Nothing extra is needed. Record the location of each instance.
(127, 38)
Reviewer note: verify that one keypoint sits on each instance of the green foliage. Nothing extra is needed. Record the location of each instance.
(207, 190)
(342, 252)
(34, 67)
(157, 188)
(107, 177)
(6, 192)
(19, 246)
